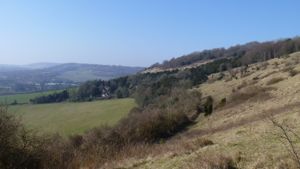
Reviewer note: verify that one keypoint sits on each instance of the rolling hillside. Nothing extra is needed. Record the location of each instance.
(248, 53)
(240, 130)
(239, 111)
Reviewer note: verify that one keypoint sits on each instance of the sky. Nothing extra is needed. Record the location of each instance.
(136, 32)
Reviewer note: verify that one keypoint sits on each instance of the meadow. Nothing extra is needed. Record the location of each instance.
(72, 118)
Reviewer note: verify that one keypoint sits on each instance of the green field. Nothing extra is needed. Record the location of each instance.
(22, 98)
(72, 118)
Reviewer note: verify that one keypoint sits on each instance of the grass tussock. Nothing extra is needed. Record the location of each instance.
(250, 93)
(293, 72)
(212, 161)
(196, 144)
(268, 74)
(246, 83)
(275, 80)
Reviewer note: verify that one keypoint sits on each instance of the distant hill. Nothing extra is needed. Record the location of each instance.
(8, 68)
(82, 72)
(49, 76)
(41, 65)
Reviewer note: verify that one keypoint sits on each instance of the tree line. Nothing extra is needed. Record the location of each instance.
(145, 87)
(250, 52)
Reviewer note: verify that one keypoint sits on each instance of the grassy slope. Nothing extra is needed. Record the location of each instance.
(72, 118)
(240, 131)
(22, 98)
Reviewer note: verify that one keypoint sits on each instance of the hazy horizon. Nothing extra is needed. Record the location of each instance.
(59, 63)
(135, 33)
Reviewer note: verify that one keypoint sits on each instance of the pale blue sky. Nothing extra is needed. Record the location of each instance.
(136, 32)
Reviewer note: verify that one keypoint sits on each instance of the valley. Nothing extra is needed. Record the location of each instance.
(149, 84)
(240, 109)
(44, 77)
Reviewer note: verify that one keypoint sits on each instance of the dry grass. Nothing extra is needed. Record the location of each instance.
(293, 72)
(139, 156)
(275, 80)
(241, 122)
(268, 74)
(252, 93)
(246, 83)
(242, 127)
(212, 161)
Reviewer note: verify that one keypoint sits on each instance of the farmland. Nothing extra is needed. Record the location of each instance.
(22, 98)
(72, 118)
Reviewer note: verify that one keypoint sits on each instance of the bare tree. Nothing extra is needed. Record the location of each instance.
(287, 137)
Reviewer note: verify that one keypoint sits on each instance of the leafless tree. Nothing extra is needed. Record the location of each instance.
(287, 137)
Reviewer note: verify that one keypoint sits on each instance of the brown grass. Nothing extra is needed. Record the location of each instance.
(293, 72)
(275, 80)
(251, 93)
(212, 161)
(246, 83)
(241, 122)
(269, 74)
(138, 153)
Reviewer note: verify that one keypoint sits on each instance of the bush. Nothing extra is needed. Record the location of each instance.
(208, 106)
(161, 119)
(168, 115)
(20, 148)
(16, 145)
(222, 102)
(52, 98)
(153, 123)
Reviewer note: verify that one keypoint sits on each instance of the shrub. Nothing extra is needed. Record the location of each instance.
(222, 102)
(17, 146)
(150, 124)
(162, 119)
(51, 98)
(20, 148)
(208, 106)
(202, 142)
(57, 152)
(255, 78)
